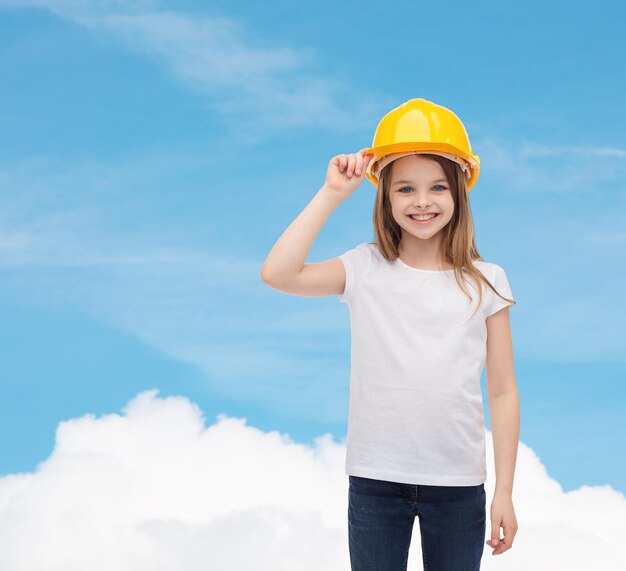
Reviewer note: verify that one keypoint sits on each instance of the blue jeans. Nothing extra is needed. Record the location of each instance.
(381, 514)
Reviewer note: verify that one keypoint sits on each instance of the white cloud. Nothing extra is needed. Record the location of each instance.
(154, 489)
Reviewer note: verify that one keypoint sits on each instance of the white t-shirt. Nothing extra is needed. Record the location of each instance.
(416, 410)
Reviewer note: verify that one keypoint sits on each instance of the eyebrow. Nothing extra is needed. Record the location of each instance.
(411, 182)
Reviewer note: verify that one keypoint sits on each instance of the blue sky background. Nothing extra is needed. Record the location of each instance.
(152, 153)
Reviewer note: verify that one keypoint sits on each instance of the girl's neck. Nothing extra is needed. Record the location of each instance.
(425, 256)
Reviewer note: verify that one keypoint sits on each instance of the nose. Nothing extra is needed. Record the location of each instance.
(421, 201)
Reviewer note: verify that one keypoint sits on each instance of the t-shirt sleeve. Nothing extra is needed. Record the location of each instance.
(501, 283)
(355, 262)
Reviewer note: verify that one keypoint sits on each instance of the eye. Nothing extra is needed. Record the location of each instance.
(409, 188)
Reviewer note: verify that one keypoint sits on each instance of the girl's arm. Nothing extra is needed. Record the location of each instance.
(502, 398)
(288, 256)
(505, 422)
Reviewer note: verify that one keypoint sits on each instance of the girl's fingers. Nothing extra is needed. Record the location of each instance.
(340, 163)
(351, 163)
(354, 163)
(359, 164)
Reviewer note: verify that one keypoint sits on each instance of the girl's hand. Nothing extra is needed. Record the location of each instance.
(502, 515)
(345, 172)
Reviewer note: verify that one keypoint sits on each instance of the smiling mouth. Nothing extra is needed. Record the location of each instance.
(426, 221)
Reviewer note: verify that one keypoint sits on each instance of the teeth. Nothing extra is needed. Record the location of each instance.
(425, 217)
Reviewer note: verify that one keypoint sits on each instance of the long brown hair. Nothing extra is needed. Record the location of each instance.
(458, 247)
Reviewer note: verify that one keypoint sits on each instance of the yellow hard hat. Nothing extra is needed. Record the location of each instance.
(421, 126)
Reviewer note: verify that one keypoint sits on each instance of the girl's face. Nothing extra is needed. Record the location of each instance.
(419, 186)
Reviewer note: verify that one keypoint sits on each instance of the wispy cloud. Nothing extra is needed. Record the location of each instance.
(154, 488)
(256, 91)
(85, 236)
(536, 171)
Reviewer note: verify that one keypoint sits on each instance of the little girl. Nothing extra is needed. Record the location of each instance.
(427, 313)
